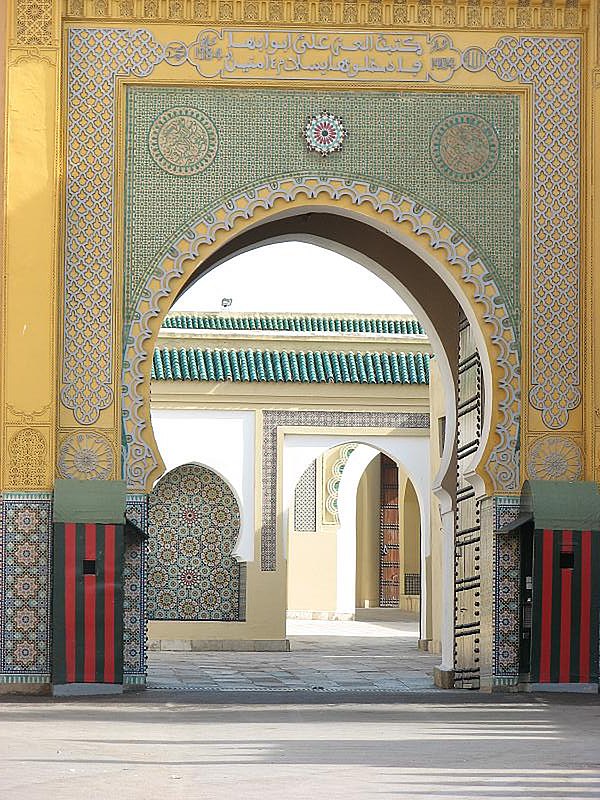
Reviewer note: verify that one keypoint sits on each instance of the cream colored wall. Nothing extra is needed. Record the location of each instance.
(312, 567)
(367, 536)
(312, 557)
(437, 411)
(411, 530)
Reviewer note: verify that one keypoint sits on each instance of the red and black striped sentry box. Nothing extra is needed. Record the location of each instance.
(559, 527)
(564, 635)
(87, 621)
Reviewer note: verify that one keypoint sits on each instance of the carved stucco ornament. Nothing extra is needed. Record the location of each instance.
(555, 458)
(86, 456)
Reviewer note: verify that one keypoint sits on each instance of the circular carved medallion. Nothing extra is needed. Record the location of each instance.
(464, 148)
(183, 141)
(85, 456)
(555, 458)
(324, 133)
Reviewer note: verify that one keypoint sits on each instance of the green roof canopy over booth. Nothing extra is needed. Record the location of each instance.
(558, 505)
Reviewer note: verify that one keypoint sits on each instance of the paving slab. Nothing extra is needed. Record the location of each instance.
(335, 655)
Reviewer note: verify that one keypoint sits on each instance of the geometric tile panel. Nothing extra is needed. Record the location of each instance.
(25, 586)
(507, 591)
(252, 150)
(134, 612)
(193, 527)
(305, 501)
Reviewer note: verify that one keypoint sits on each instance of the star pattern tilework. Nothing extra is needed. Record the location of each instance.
(193, 526)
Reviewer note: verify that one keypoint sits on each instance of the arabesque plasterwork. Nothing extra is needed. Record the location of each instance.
(547, 15)
(87, 390)
(552, 66)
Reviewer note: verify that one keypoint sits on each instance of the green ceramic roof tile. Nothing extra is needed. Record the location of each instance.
(272, 366)
(294, 324)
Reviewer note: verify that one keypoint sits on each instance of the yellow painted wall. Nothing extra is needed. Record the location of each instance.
(411, 530)
(367, 536)
(312, 571)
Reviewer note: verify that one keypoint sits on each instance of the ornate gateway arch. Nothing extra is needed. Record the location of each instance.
(167, 129)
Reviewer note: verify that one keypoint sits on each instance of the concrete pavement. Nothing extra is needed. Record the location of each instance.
(251, 726)
(458, 746)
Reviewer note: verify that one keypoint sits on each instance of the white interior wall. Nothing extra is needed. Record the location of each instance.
(223, 441)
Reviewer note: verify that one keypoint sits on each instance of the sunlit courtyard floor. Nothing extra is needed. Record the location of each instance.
(324, 656)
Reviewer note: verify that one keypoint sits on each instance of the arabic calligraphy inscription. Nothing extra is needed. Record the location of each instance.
(183, 141)
(240, 53)
(464, 148)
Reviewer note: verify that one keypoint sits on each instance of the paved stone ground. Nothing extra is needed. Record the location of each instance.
(172, 746)
(325, 656)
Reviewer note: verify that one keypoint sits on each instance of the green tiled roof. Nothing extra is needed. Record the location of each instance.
(295, 324)
(195, 364)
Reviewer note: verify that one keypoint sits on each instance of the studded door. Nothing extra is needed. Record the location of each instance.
(389, 560)
(468, 531)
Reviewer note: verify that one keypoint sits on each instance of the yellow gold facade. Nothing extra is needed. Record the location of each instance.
(70, 379)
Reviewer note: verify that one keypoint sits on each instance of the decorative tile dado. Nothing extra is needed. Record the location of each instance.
(272, 420)
(193, 527)
(506, 599)
(502, 465)
(134, 594)
(552, 66)
(25, 584)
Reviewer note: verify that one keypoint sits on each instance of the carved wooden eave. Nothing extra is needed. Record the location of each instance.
(483, 14)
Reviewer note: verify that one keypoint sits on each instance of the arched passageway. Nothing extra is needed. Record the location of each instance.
(443, 297)
(354, 533)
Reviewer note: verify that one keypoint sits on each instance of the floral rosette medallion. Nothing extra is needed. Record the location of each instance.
(324, 133)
